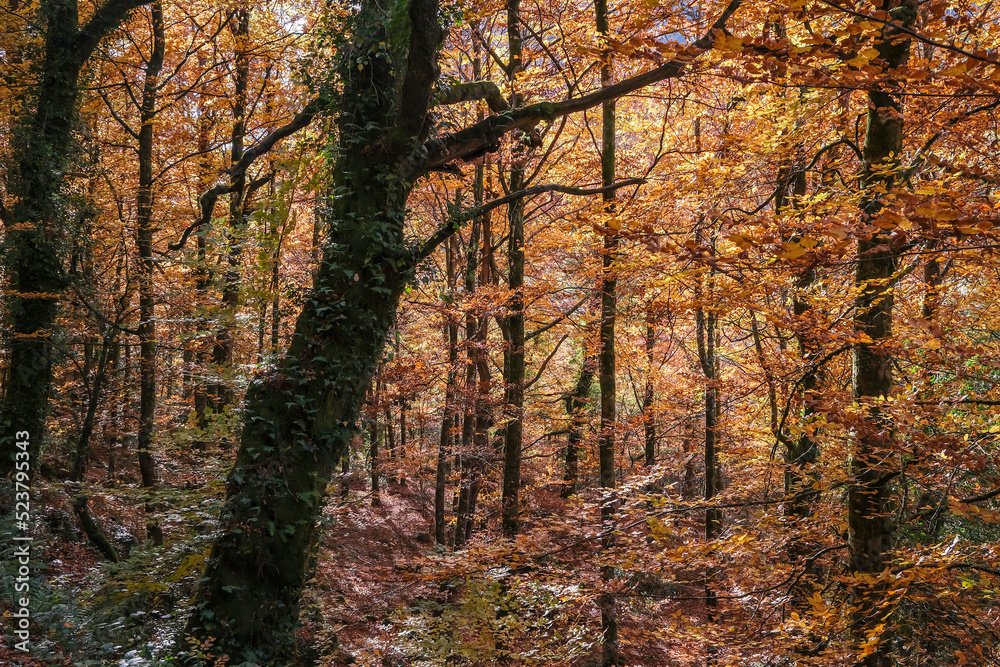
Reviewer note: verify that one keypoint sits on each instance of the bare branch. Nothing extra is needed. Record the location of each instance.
(485, 135)
(545, 363)
(206, 203)
(556, 321)
(457, 221)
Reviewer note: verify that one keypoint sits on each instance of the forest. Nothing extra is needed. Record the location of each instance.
(500, 332)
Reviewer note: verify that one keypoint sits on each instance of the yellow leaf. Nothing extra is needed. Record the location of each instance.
(740, 241)
(792, 251)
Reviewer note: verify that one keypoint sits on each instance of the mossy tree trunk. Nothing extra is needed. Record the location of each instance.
(299, 420)
(300, 417)
(36, 226)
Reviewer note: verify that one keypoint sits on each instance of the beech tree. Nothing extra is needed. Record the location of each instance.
(742, 411)
(37, 223)
(301, 417)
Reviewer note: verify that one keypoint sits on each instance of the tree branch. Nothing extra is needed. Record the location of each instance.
(472, 91)
(206, 203)
(108, 18)
(559, 319)
(545, 363)
(457, 221)
(908, 31)
(485, 135)
(924, 153)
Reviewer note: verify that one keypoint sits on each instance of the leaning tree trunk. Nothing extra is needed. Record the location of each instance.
(299, 420)
(870, 529)
(301, 417)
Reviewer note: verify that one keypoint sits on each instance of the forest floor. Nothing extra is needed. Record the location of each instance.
(379, 576)
(366, 572)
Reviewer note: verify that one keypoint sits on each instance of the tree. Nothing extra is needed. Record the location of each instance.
(871, 379)
(39, 219)
(144, 241)
(302, 415)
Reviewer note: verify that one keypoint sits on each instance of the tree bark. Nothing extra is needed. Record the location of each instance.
(870, 530)
(607, 357)
(36, 224)
(514, 354)
(147, 299)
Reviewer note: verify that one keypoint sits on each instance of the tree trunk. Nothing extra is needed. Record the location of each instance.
(82, 459)
(448, 418)
(374, 434)
(870, 529)
(606, 356)
(36, 224)
(345, 469)
(301, 417)
(389, 428)
(934, 272)
(801, 452)
(202, 275)
(144, 241)
(514, 325)
(576, 408)
(648, 419)
(477, 393)
(401, 452)
(444, 449)
(222, 353)
(93, 530)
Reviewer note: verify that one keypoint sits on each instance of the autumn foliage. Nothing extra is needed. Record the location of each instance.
(700, 371)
